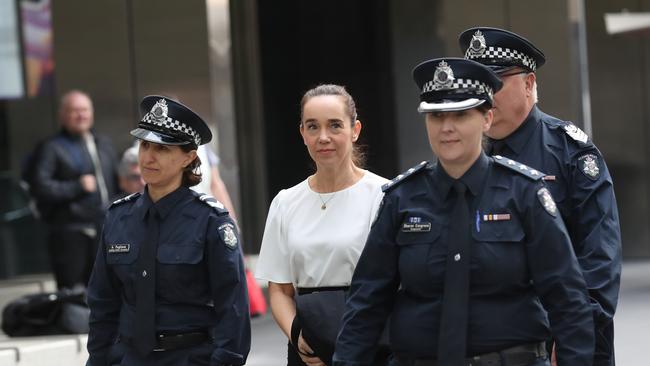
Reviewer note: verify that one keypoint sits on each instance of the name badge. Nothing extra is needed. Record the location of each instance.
(416, 225)
(119, 248)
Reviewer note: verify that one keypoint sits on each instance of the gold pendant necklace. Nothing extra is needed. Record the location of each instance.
(324, 202)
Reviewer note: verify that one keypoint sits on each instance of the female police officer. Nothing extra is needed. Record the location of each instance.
(168, 286)
(468, 252)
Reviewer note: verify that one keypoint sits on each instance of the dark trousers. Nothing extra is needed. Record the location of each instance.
(604, 355)
(72, 255)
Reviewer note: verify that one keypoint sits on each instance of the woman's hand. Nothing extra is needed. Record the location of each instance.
(304, 351)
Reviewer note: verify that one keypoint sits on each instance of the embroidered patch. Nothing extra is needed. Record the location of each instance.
(119, 248)
(547, 201)
(228, 234)
(415, 224)
(589, 166)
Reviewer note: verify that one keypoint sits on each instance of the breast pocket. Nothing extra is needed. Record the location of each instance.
(418, 254)
(180, 254)
(499, 254)
(499, 231)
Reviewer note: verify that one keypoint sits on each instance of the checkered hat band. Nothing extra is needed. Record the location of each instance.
(462, 85)
(168, 123)
(502, 53)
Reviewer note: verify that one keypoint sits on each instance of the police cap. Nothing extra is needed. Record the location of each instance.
(500, 49)
(454, 84)
(168, 122)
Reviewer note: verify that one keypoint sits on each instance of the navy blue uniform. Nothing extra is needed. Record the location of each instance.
(521, 266)
(200, 283)
(581, 185)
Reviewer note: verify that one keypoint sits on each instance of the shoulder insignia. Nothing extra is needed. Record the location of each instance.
(128, 198)
(547, 201)
(402, 177)
(575, 133)
(588, 164)
(228, 233)
(212, 202)
(518, 167)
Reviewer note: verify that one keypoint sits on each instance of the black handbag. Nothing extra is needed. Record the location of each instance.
(319, 316)
(61, 312)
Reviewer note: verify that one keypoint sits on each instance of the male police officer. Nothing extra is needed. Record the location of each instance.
(576, 171)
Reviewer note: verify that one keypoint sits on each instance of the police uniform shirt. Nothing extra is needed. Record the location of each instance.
(200, 280)
(520, 254)
(580, 183)
(309, 246)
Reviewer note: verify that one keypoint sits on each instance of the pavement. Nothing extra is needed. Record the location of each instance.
(269, 345)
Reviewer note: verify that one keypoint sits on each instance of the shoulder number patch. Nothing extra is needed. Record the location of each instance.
(588, 165)
(547, 201)
(228, 234)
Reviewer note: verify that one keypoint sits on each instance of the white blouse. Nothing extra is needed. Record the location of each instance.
(313, 247)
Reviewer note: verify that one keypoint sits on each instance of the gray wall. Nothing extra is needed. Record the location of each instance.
(425, 29)
(620, 79)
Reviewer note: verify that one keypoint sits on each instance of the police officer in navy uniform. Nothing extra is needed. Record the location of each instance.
(467, 255)
(576, 172)
(168, 286)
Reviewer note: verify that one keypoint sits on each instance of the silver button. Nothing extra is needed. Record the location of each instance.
(457, 257)
(144, 273)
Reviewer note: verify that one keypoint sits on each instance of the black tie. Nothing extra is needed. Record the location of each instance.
(497, 147)
(452, 343)
(145, 286)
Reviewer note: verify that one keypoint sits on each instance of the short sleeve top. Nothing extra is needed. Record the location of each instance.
(308, 246)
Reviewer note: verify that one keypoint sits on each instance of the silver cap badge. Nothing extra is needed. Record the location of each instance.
(443, 78)
(477, 44)
(159, 110)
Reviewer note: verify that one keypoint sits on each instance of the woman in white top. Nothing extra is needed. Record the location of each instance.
(315, 231)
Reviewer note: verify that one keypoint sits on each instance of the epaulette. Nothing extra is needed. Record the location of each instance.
(402, 177)
(518, 167)
(128, 198)
(212, 202)
(575, 133)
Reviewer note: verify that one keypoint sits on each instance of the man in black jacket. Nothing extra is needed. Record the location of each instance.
(75, 176)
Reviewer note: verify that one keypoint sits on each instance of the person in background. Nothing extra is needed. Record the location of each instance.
(168, 286)
(575, 170)
(315, 230)
(129, 177)
(74, 180)
(468, 255)
(212, 182)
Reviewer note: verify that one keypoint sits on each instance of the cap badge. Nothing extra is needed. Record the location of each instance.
(443, 78)
(477, 44)
(159, 110)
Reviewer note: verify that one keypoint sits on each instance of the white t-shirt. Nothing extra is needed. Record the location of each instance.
(311, 247)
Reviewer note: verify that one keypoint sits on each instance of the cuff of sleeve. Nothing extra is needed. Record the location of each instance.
(222, 357)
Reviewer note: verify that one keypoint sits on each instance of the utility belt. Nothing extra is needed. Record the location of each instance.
(523, 355)
(167, 341)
